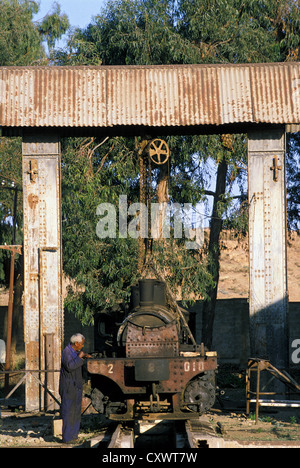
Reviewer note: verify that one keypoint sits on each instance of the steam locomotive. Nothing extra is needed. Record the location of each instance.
(146, 366)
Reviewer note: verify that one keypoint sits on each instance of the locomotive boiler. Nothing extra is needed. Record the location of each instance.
(147, 366)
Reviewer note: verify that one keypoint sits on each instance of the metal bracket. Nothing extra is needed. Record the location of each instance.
(17, 249)
(275, 168)
(33, 170)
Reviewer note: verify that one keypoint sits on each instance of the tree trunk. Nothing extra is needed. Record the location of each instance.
(209, 305)
(162, 192)
(17, 308)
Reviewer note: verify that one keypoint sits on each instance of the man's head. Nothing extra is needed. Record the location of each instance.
(77, 341)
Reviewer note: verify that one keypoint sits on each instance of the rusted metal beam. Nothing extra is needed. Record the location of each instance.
(149, 96)
(49, 377)
(258, 365)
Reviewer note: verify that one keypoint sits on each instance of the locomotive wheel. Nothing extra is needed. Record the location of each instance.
(159, 152)
(199, 395)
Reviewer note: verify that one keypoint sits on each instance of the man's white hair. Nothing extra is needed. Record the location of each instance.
(77, 338)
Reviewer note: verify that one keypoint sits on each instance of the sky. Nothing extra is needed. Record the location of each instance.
(79, 12)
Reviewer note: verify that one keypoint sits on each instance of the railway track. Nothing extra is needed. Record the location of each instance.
(159, 435)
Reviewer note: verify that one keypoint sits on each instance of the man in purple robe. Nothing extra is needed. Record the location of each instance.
(70, 387)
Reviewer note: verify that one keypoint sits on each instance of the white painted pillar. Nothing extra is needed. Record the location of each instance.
(42, 258)
(267, 246)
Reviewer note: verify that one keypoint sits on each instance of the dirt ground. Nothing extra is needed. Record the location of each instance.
(27, 430)
(234, 267)
(19, 429)
(274, 426)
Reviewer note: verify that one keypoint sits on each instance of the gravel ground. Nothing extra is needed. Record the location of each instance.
(27, 430)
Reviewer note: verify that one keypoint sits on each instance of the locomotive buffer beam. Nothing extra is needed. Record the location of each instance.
(168, 388)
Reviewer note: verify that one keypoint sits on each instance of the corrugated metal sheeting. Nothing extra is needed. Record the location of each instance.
(181, 95)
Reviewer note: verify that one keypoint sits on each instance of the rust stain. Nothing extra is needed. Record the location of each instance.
(164, 95)
(32, 200)
(32, 354)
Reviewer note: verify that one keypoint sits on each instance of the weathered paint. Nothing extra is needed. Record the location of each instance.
(267, 246)
(154, 96)
(42, 256)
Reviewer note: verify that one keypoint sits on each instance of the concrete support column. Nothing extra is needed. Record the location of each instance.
(42, 261)
(267, 246)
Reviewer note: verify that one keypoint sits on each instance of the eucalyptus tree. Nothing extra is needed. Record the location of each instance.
(144, 32)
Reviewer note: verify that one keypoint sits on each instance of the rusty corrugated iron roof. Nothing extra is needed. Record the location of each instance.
(155, 96)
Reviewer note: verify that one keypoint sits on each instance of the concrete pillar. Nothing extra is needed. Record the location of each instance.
(42, 258)
(267, 245)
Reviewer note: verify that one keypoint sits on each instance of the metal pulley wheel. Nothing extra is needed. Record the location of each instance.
(159, 151)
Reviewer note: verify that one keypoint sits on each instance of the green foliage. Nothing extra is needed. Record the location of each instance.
(188, 31)
(103, 270)
(53, 26)
(293, 181)
(94, 172)
(185, 270)
(10, 181)
(239, 32)
(19, 38)
(11, 161)
(130, 32)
